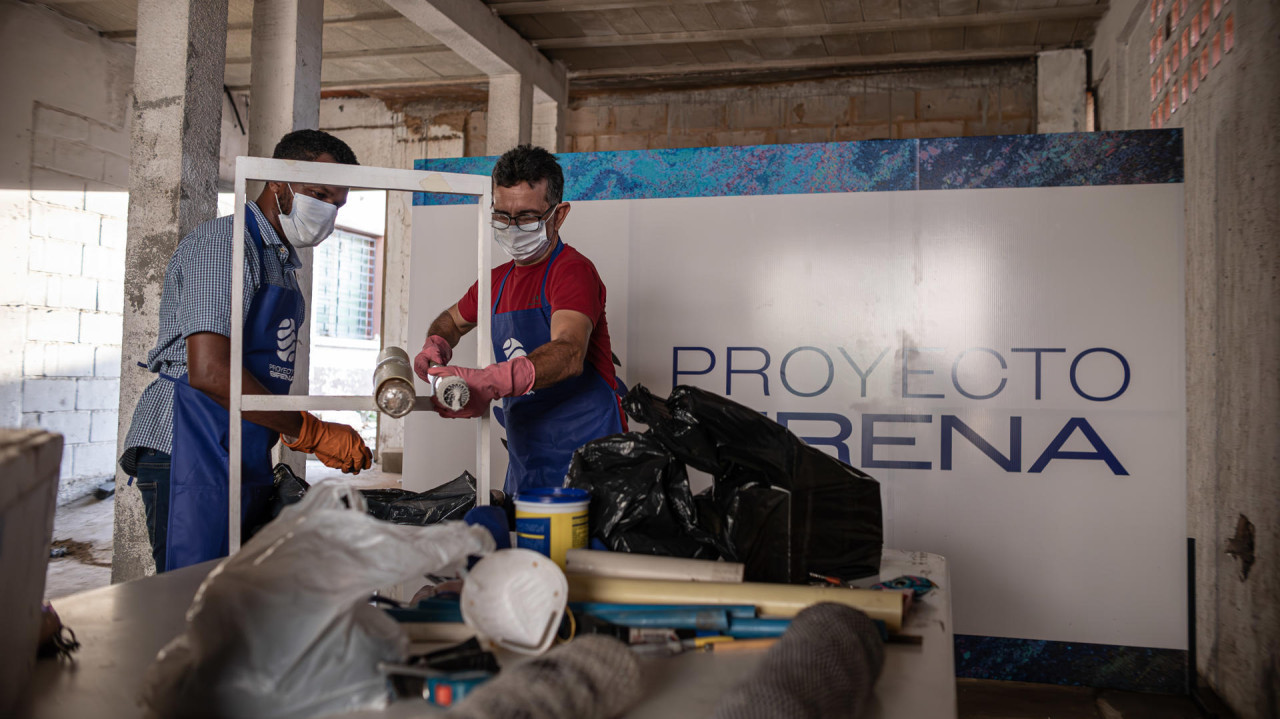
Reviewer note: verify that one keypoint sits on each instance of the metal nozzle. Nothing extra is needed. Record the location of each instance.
(452, 392)
(393, 389)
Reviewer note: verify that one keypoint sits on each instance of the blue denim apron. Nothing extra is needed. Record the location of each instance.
(545, 427)
(198, 491)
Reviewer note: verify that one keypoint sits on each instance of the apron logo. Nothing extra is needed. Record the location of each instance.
(287, 340)
(513, 349)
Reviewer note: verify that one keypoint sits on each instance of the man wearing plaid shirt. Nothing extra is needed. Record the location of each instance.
(176, 445)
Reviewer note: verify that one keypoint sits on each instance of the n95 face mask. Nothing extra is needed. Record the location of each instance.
(309, 222)
(522, 244)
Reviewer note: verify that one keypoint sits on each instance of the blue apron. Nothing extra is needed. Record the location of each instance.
(545, 427)
(198, 491)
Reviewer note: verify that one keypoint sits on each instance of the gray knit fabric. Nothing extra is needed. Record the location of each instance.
(592, 677)
(824, 667)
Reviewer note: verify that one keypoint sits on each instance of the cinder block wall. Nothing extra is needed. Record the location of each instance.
(948, 102)
(64, 164)
(74, 293)
(981, 99)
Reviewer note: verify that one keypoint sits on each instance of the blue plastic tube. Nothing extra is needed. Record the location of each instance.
(752, 628)
(670, 619)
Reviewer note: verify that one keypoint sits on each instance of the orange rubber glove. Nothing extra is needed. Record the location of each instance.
(502, 379)
(337, 445)
(435, 351)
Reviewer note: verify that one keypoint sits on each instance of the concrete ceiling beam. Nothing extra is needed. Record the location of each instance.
(388, 83)
(852, 61)
(531, 7)
(130, 36)
(1080, 12)
(363, 54)
(470, 29)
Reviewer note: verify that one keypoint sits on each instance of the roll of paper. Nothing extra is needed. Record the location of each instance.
(647, 566)
(779, 600)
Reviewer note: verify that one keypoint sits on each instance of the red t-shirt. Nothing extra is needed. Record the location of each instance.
(572, 284)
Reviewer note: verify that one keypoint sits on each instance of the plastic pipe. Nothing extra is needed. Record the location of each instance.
(755, 628)
(782, 600)
(601, 608)
(704, 618)
(646, 566)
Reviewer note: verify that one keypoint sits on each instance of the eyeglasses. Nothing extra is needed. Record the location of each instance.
(527, 221)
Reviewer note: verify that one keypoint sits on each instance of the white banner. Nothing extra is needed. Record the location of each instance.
(1009, 363)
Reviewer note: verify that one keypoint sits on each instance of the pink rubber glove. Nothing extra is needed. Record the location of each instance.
(502, 379)
(436, 349)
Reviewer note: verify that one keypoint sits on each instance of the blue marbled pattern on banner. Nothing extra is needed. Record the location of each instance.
(1099, 158)
(876, 166)
(1095, 158)
(1103, 666)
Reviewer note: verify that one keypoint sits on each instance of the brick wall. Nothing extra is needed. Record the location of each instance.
(987, 99)
(74, 291)
(947, 102)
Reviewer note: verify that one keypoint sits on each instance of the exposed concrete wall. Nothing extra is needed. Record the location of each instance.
(63, 171)
(1232, 145)
(176, 134)
(1060, 91)
(990, 99)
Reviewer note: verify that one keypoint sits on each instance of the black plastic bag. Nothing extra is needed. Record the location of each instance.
(640, 497)
(400, 506)
(289, 488)
(787, 510)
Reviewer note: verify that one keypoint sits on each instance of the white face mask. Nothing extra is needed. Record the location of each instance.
(522, 244)
(309, 222)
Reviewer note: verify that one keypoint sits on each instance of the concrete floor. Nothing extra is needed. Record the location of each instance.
(84, 526)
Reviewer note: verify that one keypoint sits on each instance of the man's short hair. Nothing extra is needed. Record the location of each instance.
(527, 163)
(307, 145)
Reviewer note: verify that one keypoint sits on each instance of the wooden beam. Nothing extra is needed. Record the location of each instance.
(336, 21)
(1079, 12)
(366, 54)
(852, 61)
(471, 30)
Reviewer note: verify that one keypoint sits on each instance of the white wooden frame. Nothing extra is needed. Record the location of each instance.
(353, 176)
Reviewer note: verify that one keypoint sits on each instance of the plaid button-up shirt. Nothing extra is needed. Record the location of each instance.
(197, 298)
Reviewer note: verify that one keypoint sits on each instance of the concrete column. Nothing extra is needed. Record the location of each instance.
(284, 96)
(1061, 76)
(548, 123)
(173, 181)
(510, 116)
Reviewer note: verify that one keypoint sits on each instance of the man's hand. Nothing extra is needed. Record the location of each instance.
(503, 379)
(436, 351)
(337, 445)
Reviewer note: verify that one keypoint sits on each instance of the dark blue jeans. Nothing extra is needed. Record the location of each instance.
(153, 482)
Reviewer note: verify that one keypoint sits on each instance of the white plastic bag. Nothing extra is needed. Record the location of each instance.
(282, 629)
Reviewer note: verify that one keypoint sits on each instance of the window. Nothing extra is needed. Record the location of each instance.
(343, 286)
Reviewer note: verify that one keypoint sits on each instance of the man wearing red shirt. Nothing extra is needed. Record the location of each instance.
(556, 378)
